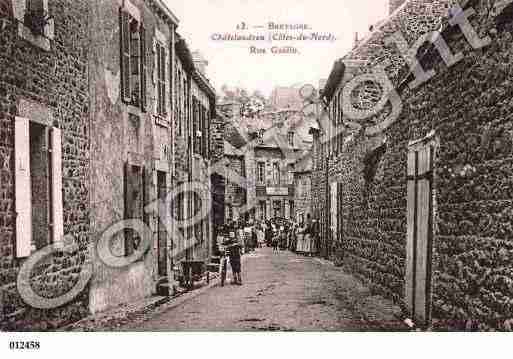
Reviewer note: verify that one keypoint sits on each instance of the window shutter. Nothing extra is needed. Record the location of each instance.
(124, 25)
(142, 36)
(163, 79)
(334, 204)
(56, 168)
(339, 211)
(23, 188)
(129, 203)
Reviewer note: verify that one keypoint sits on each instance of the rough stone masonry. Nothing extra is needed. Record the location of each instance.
(46, 85)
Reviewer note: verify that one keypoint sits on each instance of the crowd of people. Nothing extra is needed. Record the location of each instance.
(280, 234)
(238, 238)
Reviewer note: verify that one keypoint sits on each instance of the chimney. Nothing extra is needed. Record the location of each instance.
(200, 62)
(356, 40)
(393, 5)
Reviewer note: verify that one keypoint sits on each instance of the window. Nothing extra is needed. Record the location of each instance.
(196, 125)
(160, 53)
(230, 213)
(291, 139)
(263, 210)
(198, 225)
(38, 191)
(292, 209)
(261, 172)
(133, 60)
(276, 173)
(35, 24)
(134, 204)
(180, 209)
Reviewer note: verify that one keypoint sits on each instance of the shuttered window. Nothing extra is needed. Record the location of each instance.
(134, 204)
(160, 53)
(38, 186)
(124, 25)
(133, 60)
(142, 51)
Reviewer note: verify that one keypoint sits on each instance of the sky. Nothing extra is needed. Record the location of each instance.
(231, 62)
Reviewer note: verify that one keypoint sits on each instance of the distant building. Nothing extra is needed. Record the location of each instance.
(286, 98)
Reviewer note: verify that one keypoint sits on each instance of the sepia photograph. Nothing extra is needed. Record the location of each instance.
(239, 166)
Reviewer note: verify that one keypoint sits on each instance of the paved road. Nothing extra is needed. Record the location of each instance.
(281, 292)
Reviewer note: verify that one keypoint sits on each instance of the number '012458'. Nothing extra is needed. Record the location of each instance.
(24, 345)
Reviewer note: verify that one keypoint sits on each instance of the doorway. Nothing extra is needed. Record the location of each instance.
(161, 228)
(419, 244)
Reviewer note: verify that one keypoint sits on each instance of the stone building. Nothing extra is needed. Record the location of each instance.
(44, 160)
(260, 151)
(235, 198)
(272, 155)
(302, 183)
(421, 204)
(104, 115)
(132, 157)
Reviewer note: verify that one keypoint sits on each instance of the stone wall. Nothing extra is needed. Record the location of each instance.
(50, 85)
(468, 106)
(302, 195)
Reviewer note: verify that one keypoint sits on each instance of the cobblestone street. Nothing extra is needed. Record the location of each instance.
(284, 292)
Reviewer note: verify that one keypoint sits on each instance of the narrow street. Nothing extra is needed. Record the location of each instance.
(283, 292)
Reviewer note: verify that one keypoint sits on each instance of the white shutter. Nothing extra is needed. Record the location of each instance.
(56, 200)
(23, 191)
(334, 206)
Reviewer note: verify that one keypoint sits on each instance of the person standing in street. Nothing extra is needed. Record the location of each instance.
(234, 252)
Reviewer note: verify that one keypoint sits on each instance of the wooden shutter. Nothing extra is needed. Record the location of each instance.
(56, 185)
(135, 195)
(163, 79)
(334, 207)
(23, 193)
(142, 61)
(159, 93)
(128, 203)
(419, 232)
(124, 25)
(339, 212)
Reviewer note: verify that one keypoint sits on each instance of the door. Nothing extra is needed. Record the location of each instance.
(419, 230)
(161, 227)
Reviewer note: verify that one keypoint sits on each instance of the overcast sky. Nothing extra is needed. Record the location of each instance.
(231, 62)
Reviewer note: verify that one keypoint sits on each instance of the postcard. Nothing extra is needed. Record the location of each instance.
(255, 166)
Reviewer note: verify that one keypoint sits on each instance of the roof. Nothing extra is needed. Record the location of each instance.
(164, 9)
(413, 19)
(185, 55)
(304, 164)
(230, 150)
